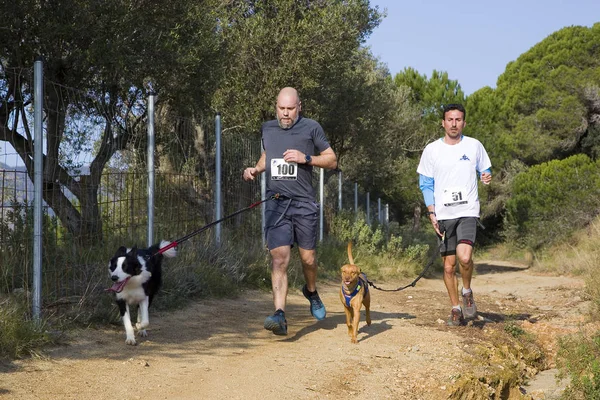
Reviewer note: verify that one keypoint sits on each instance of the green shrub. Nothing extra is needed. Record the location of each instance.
(395, 253)
(551, 200)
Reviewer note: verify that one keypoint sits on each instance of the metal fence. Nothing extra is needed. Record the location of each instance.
(177, 195)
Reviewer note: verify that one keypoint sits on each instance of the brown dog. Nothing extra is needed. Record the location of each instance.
(354, 293)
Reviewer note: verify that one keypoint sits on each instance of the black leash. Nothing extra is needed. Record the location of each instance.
(205, 227)
(413, 283)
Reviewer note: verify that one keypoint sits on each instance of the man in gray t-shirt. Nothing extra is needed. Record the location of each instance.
(293, 145)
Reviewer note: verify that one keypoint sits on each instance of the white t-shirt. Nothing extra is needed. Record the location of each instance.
(454, 171)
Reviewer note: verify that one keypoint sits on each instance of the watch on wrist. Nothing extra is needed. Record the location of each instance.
(307, 159)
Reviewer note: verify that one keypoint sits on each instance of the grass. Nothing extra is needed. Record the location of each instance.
(578, 356)
(20, 336)
(579, 359)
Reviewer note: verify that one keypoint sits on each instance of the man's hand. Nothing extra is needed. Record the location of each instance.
(486, 178)
(294, 156)
(435, 224)
(250, 173)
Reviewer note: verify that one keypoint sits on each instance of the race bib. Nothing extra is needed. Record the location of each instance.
(283, 171)
(454, 196)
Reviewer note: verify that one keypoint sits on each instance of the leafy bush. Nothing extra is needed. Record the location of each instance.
(386, 255)
(551, 200)
(346, 227)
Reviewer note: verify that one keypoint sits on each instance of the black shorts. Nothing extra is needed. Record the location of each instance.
(459, 230)
(289, 221)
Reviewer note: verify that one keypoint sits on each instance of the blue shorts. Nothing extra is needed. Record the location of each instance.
(459, 230)
(289, 221)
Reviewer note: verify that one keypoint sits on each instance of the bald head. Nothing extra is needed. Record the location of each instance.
(288, 107)
(288, 94)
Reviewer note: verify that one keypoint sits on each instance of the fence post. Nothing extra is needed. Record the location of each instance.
(369, 208)
(379, 216)
(355, 200)
(150, 168)
(340, 190)
(218, 177)
(322, 201)
(38, 98)
(387, 214)
(263, 206)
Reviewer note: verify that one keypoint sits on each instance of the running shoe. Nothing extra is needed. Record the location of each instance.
(469, 307)
(317, 308)
(276, 323)
(456, 318)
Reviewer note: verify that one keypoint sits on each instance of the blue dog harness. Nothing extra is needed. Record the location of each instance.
(362, 281)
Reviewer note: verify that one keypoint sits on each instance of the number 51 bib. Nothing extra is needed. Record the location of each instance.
(454, 196)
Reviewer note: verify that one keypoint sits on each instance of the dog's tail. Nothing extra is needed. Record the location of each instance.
(172, 252)
(350, 258)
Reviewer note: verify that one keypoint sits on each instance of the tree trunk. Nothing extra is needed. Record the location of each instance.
(416, 218)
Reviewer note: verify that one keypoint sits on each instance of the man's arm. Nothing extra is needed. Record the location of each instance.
(252, 172)
(426, 185)
(326, 159)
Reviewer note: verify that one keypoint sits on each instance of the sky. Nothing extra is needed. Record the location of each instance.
(471, 40)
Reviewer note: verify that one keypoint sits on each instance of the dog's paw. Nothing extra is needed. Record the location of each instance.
(142, 333)
(142, 325)
(130, 341)
(354, 340)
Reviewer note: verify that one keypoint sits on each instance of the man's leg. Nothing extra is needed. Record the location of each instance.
(456, 314)
(450, 279)
(280, 259)
(464, 252)
(309, 267)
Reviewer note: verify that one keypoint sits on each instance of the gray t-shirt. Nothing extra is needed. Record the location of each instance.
(290, 180)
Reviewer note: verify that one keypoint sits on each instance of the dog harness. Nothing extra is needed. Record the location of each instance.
(362, 281)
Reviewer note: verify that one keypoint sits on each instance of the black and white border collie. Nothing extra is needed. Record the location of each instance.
(137, 276)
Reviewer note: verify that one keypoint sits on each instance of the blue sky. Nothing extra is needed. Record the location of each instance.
(471, 40)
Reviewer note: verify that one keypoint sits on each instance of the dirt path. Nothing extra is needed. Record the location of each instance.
(218, 349)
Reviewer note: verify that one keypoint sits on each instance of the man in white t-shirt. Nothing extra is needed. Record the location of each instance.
(448, 176)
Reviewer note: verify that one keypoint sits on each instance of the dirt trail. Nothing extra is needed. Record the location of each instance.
(218, 349)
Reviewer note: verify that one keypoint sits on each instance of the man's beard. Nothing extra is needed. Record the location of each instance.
(287, 126)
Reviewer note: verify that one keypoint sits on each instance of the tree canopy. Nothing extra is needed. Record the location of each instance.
(546, 102)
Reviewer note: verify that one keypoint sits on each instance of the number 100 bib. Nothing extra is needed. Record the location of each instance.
(283, 171)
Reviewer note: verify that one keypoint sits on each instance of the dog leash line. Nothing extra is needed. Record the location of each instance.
(205, 227)
(422, 274)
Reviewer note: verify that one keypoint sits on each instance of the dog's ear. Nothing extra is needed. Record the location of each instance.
(121, 251)
(133, 251)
